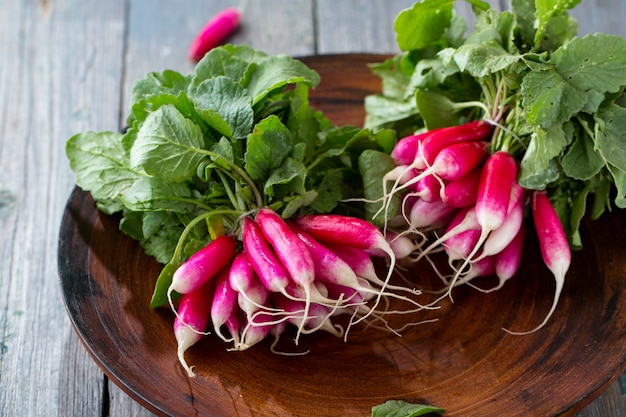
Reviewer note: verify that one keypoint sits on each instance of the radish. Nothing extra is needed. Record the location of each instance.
(358, 259)
(254, 298)
(291, 251)
(331, 268)
(234, 328)
(428, 188)
(430, 215)
(255, 332)
(461, 192)
(405, 150)
(223, 303)
(268, 268)
(481, 268)
(553, 244)
(361, 263)
(496, 185)
(191, 320)
(433, 144)
(214, 32)
(262, 257)
(315, 316)
(452, 162)
(508, 260)
(245, 282)
(328, 266)
(401, 244)
(203, 265)
(351, 231)
(499, 238)
(344, 230)
(241, 274)
(460, 245)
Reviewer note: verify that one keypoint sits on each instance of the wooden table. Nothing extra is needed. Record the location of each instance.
(67, 66)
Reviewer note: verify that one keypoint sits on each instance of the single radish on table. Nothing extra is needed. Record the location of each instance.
(214, 32)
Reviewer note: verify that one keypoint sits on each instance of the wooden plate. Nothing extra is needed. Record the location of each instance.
(464, 362)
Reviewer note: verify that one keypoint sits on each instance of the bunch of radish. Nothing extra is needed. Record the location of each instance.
(303, 272)
(455, 187)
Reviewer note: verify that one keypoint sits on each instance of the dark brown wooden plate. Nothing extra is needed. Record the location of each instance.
(464, 362)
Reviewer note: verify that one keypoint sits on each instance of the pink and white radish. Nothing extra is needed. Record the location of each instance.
(191, 320)
(351, 231)
(291, 252)
(202, 266)
(495, 188)
(450, 163)
(223, 304)
(430, 147)
(508, 260)
(553, 244)
(262, 257)
(428, 215)
(461, 192)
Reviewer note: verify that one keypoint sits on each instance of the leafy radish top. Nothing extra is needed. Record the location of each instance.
(235, 135)
(556, 100)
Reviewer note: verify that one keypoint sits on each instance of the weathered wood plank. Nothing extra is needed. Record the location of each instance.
(601, 16)
(60, 73)
(365, 25)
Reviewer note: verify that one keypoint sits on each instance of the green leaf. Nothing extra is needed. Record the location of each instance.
(610, 135)
(382, 111)
(276, 72)
(524, 12)
(395, 73)
(423, 25)
(101, 164)
(223, 148)
(152, 193)
(295, 203)
(538, 166)
(577, 212)
(481, 60)
(399, 408)
(164, 280)
(168, 145)
(373, 165)
(268, 145)
(430, 74)
(581, 161)
(548, 100)
(436, 109)
(230, 61)
(287, 179)
(593, 63)
(328, 191)
(582, 72)
(601, 188)
(546, 10)
(619, 178)
(559, 30)
(154, 84)
(144, 107)
(222, 96)
(496, 28)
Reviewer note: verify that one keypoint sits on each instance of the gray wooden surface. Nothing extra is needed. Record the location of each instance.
(67, 66)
